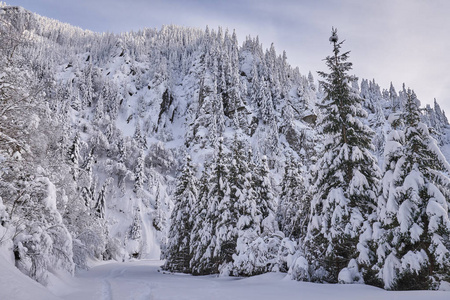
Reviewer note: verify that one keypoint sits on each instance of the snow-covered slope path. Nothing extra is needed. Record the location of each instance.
(143, 280)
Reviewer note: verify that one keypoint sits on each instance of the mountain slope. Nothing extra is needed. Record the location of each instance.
(111, 117)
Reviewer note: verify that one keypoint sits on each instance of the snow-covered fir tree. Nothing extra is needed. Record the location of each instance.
(293, 209)
(224, 210)
(135, 230)
(214, 234)
(240, 210)
(264, 196)
(202, 232)
(139, 173)
(74, 155)
(347, 175)
(178, 255)
(413, 229)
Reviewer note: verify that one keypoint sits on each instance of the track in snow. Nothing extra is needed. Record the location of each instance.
(142, 280)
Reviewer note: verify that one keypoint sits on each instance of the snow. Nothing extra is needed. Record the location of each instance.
(16, 286)
(50, 200)
(414, 260)
(350, 274)
(363, 249)
(413, 181)
(143, 280)
(404, 215)
(443, 159)
(390, 268)
(299, 269)
(416, 232)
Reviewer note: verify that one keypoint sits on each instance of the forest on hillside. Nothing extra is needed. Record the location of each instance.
(220, 158)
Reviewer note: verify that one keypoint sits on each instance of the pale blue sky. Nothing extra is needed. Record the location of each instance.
(390, 40)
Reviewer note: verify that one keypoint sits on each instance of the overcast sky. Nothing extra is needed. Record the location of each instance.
(403, 41)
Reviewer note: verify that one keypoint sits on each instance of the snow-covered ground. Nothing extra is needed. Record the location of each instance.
(143, 280)
(16, 286)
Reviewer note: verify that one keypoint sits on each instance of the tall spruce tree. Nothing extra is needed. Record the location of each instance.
(265, 215)
(243, 206)
(256, 247)
(346, 179)
(74, 155)
(202, 231)
(413, 229)
(210, 236)
(181, 222)
(225, 213)
(139, 173)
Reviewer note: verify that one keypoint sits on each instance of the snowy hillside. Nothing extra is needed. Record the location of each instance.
(182, 144)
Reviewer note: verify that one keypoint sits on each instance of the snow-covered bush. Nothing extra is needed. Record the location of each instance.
(287, 254)
(42, 242)
(299, 269)
(351, 274)
(258, 256)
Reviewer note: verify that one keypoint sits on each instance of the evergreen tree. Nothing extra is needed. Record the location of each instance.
(100, 206)
(243, 227)
(181, 221)
(311, 81)
(202, 233)
(210, 250)
(393, 98)
(135, 229)
(220, 192)
(86, 88)
(440, 114)
(99, 112)
(345, 186)
(293, 209)
(209, 121)
(159, 216)
(74, 155)
(373, 99)
(139, 138)
(264, 196)
(413, 228)
(257, 244)
(139, 173)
